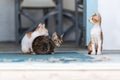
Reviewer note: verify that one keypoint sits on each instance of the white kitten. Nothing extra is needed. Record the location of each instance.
(96, 35)
(26, 44)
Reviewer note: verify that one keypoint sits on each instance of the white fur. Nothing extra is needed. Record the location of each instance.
(95, 37)
(26, 43)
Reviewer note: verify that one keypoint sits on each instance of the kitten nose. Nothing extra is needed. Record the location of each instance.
(58, 45)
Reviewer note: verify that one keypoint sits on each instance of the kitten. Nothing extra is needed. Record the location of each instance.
(96, 35)
(46, 45)
(26, 43)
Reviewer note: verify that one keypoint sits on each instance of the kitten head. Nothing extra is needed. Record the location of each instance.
(95, 18)
(57, 39)
(42, 30)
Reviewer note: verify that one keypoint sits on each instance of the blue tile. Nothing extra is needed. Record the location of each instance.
(58, 57)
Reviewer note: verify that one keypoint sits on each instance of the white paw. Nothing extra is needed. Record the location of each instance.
(99, 53)
(93, 53)
(33, 53)
(52, 53)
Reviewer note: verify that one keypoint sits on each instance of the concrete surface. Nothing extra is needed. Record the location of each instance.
(60, 75)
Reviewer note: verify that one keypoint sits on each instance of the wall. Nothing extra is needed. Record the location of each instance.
(7, 25)
(110, 12)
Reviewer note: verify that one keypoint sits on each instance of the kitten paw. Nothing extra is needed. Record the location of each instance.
(33, 53)
(93, 53)
(23, 52)
(52, 53)
(99, 53)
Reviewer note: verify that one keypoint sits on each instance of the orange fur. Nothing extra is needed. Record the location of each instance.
(101, 39)
(96, 18)
(89, 48)
(29, 34)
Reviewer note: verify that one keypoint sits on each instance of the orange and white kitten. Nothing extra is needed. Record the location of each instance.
(26, 43)
(96, 35)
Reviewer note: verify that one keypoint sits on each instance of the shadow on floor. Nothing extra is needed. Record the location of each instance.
(15, 47)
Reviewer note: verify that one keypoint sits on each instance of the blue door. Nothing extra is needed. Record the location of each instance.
(90, 7)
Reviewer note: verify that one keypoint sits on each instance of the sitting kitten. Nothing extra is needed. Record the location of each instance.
(96, 35)
(26, 43)
(46, 45)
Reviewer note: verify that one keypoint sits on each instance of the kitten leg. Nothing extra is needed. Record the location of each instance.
(99, 50)
(52, 53)
(93, 49)
(27, 52)
(25, 49)
(31, 51)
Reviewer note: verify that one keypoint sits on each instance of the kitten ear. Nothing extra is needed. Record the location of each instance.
(94, 14)
(43, 26)
(100, 19)
(99, 15)
(40, 25)
(62, 35)
(54, 36)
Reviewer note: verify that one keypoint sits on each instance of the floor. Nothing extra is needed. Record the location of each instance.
(16, 47)
(112, 56)
(109, 68)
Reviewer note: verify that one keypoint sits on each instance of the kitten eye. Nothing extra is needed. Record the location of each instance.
(92, 18)
(55, 40)
(60, 41)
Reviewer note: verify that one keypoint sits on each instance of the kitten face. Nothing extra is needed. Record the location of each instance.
(42, 30)
(95, 18)
(57, 39)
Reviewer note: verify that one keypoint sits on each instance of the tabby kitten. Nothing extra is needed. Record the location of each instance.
(46, 45)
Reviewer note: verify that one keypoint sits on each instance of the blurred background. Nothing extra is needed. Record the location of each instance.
(21, 16)
(62, 16)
